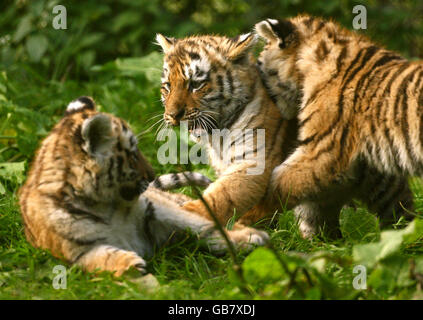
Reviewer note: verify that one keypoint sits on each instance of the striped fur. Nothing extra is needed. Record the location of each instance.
(87, 197)
(359, 114)
(212, 82)
(179, 180)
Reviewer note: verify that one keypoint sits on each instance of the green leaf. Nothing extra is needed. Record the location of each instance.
(393, 273)
(13, 171)
(389, 244)
(125, 19)
(359, 225)
(314, 294)
(150, 66)
(36, 46)
(24, 27)
(2, 189)
(414, 231)
(90, 40)
(261, 266)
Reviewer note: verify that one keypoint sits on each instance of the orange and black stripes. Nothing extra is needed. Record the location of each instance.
(230, 96)
(360, 103)
(84, 199)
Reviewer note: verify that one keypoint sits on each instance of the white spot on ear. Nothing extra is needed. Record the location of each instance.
(75, 105)
(243, 37)
(273, 21)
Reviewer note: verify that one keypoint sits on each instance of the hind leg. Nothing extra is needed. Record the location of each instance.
(314, 218)
(388, 196)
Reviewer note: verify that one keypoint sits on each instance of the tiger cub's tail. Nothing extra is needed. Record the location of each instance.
(177, 180)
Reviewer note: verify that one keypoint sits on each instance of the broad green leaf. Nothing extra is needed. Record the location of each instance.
(13, 171)
(415, 232)
(2, 189)
(314, 294)
(393, 273)
(359, 225)
(149, 66)
(389, 244)
(36, 46)
(24, 27)
(125, 19)
(261, 266)
(90, 40)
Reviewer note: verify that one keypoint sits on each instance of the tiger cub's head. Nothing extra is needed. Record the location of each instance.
(296, 47)
(205, 79)
(96, 156)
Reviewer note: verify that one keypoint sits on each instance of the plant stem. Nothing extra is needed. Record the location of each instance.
(237, 268)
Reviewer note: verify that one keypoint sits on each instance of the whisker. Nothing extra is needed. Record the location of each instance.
(200, 120)
(159, 129)
(157, 115)
(210, 120)
(163, 129)
(148, 130)
(154, 124)
(206, 124)
(209, 111)
(154, 113)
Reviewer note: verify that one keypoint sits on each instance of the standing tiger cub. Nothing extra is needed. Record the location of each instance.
(361, 106)
(87, 197)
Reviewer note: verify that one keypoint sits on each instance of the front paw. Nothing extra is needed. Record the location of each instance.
(126, 260)
(242, 238)
(248, 238)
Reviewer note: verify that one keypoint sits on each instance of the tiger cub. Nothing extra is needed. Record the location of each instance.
(82, 197)
(211, 82)
(359, 114)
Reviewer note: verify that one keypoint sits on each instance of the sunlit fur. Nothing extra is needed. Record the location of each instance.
(359, 114)
(212, 82)
(87, 197)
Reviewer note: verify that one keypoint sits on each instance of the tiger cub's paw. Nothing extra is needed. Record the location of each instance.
(109, 258)
(247, 238)
(241, 237)
(125, 260)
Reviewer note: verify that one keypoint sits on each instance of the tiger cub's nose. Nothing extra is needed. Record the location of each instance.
(176, 116)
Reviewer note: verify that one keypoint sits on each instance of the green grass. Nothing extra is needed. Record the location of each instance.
(289, 268)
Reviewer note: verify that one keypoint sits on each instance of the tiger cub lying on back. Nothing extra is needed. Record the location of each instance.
(82, 197)
(360, 109)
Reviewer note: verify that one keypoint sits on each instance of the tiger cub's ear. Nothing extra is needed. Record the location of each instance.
(264, 29)
(82, 103)
(165, 42)
(241, 45)
(97, 134)
(273, 30)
